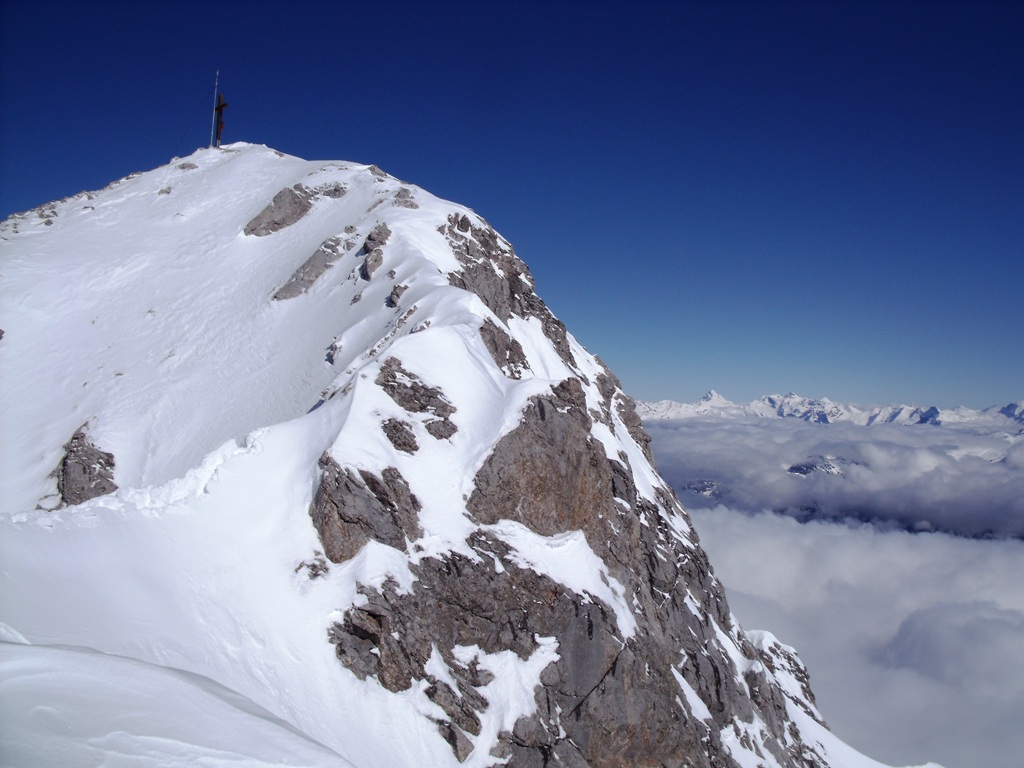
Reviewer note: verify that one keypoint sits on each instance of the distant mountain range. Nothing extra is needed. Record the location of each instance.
(824, 411)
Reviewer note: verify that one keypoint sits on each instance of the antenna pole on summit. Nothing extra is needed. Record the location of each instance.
(221, 106)
(213, 124)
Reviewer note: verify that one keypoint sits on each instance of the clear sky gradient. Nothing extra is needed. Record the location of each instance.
(823, 197)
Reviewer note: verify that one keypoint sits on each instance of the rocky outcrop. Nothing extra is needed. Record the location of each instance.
(507, 352)
(533, 478)
(404, 198)
(288, 206)
(491, 270)
(614, 696)
(401, 435)
(411, 393)
(372, 248)
(351, 508)
(84, 472)
(330, 251)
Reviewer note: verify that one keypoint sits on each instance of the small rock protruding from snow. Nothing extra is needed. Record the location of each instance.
(330, 250)
(373, 248)
(85, 471)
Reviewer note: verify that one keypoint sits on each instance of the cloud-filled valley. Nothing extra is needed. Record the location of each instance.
(914, 642)
(889, 555)
(956, 479)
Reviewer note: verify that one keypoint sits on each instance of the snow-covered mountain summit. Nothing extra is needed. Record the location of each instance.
(825, 411)
(300, 442)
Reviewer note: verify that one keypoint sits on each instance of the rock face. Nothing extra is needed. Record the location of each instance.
(613, 696)
(651, 672)
(491, 270)
(352, 508)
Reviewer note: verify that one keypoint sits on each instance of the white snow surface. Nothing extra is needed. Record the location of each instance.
(185, 598)
(70, 706)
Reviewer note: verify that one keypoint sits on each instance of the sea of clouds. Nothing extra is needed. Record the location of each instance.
(969, 482)
(914, 640)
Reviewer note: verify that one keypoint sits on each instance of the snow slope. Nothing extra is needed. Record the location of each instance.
(168, 319)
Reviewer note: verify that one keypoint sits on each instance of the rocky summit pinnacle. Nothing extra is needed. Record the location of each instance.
(342, 459)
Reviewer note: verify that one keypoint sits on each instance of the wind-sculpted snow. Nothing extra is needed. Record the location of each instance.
(343, 460)
(73, 706)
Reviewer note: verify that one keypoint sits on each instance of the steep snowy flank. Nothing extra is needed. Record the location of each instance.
(299, 442)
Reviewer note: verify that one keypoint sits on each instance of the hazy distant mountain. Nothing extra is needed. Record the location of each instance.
(824, 411)
(299, 443)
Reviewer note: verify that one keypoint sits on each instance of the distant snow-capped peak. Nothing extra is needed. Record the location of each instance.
(825, 411)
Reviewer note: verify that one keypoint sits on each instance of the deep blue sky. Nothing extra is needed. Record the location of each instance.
(825, 197)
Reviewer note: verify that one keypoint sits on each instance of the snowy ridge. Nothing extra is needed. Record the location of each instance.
(825, 411)
(261, 416)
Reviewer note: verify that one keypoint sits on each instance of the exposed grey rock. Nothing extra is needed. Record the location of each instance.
(441, 429)
(373, 250)
(507, 352)
(461, 746)
(332, 351)
(187, 166)
(395, 295)
(411, 393)
(401, 435)
(608, 700)
(370, 264)
(626, 408)
(559, 490)
(377, 238)
(334, 190)
(314, 568)
(491, 270)
(288, 206)
(84, 472)
(350, 508)
(330, 250)
(781, 659)
(404, 198)
(613, 696)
